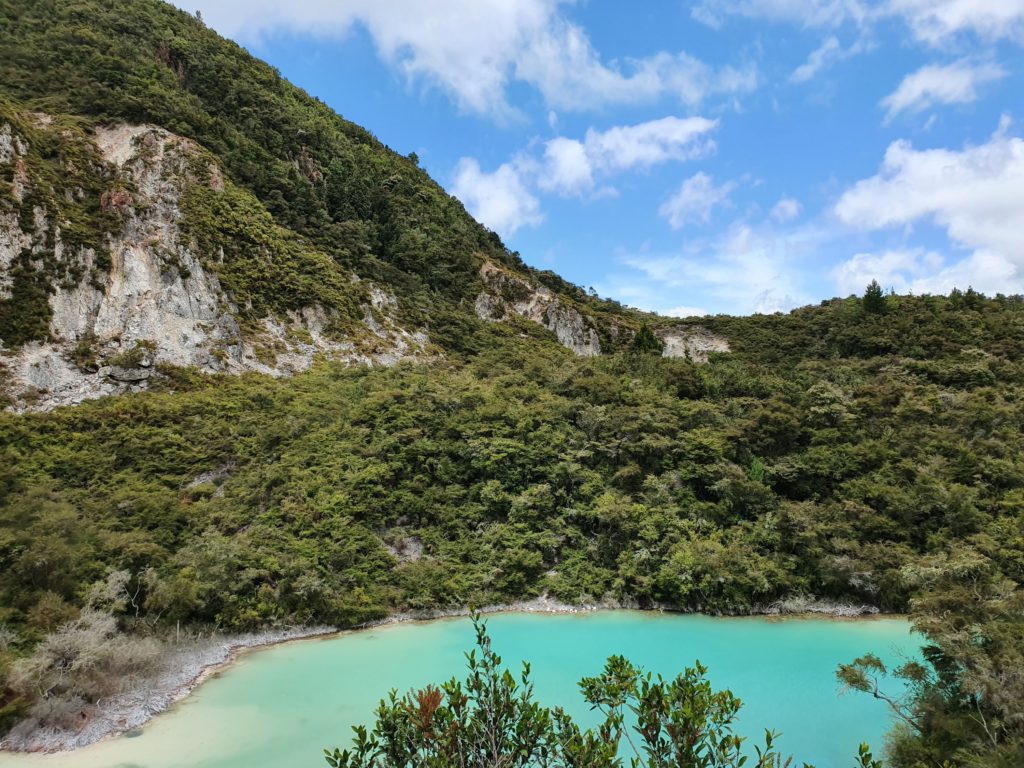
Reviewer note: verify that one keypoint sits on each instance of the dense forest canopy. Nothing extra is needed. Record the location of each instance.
(866, 450)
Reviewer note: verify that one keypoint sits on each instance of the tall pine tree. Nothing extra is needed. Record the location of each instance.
(874, 299)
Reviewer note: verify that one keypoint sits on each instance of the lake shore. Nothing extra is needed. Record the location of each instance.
(198, 661)
(789, 607)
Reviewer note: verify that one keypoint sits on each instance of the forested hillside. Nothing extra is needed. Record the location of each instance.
(861, 451)
(320, 176)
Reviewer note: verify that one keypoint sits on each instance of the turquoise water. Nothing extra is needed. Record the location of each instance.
(279, 707)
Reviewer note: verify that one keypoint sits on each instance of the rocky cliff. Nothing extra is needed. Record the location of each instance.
(182, 204)
(506, 295)
(145, 293)
(692, 342)
(127, 249)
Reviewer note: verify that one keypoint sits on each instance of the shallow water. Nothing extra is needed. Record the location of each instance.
(279, 707)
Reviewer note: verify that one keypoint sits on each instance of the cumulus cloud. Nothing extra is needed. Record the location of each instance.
(569, 166)
(503, 199)
(463, 48)
(568, 169)
(975, 194)
(694, 201)
(474, 50)
(645, 144)
(787, 209)
(985, 271)
(500, 200)
(919, 271)
(569, 73)
(955, 83)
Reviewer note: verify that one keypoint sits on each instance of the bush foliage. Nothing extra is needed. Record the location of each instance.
(865, 450)
(492, 719)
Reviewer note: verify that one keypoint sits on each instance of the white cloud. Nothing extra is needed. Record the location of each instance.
(563, 65)
(500, 200)
(892, 269)
(935, 21)
(787, 209)
(474, 50)
(985, 271)
(685, 312)
(829, 53)
(463, 48)
(976, 194)
(694, 200)
(931, 21)
(745, 270)
(820, 58)
(569, 166)
(919, 271)
(955, 83)
(811, 13)
(646, 144)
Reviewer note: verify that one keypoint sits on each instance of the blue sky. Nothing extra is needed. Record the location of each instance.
(692, 156)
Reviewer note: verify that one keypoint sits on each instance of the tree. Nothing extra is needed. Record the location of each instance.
(646, 342)
(874, 299)
(491, 720)
(963, 704)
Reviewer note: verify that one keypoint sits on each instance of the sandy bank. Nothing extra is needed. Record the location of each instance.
(184, 668)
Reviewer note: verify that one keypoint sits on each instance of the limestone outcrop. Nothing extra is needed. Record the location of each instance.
(506, 294)
(147, 298)
(693, 343)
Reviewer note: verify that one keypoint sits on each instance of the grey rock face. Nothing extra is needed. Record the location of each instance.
(507, 295)
(693, 343)
(156, 293)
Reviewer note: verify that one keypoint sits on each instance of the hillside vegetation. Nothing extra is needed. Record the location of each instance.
(320, 176)
(853, 452)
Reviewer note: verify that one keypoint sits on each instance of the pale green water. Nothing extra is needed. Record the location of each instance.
(279, 707)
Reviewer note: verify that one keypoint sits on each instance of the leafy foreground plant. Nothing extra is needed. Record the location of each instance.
(965, 705)
(492, 721)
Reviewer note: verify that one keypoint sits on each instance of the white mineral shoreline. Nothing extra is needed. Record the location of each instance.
(198, 662)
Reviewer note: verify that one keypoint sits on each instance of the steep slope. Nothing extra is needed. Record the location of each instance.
(225, 221)
(320, 176)
(508, 295)
(125, 250)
